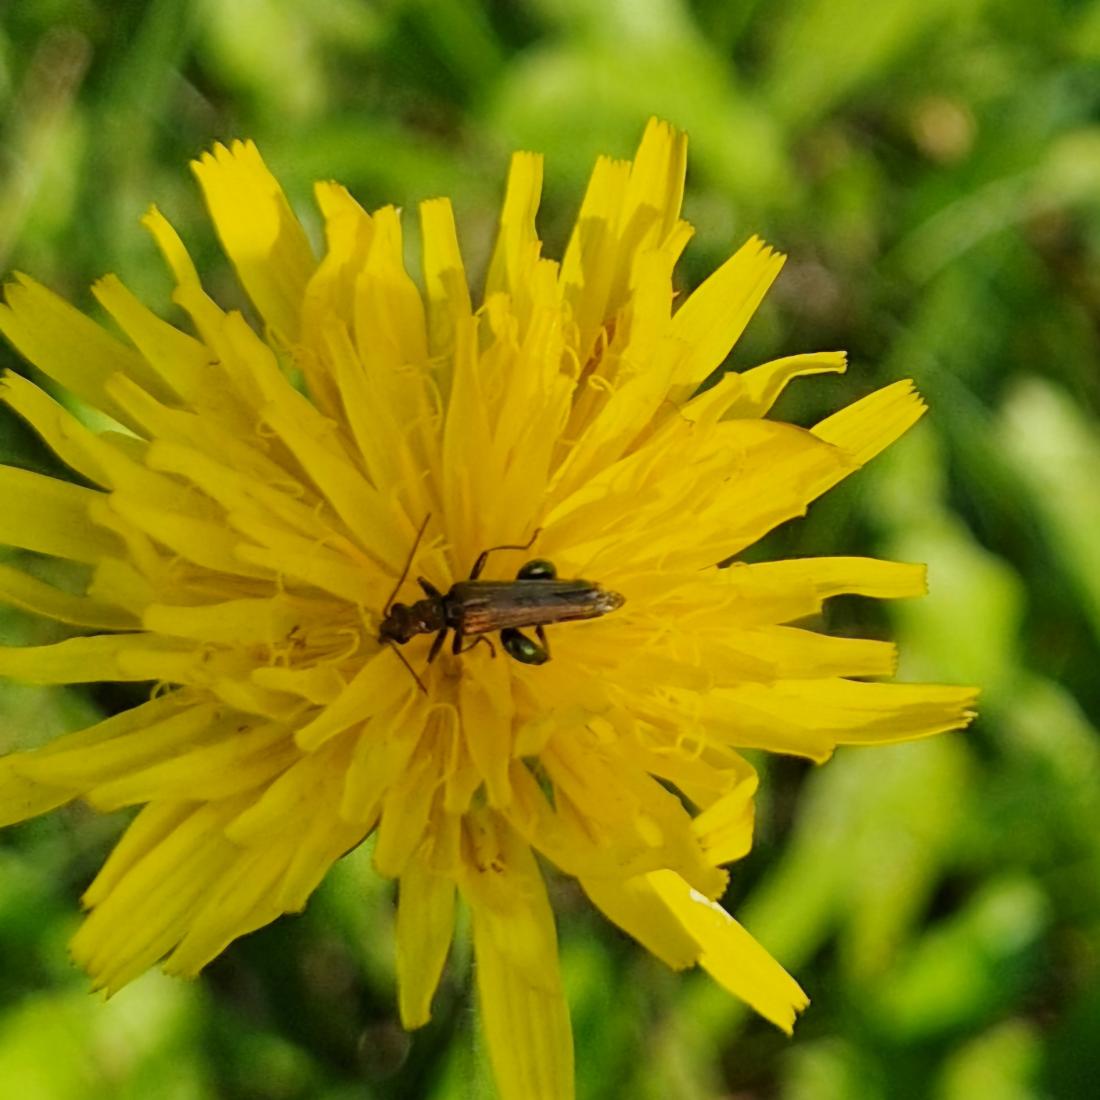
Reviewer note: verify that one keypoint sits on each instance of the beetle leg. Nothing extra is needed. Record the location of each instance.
(483, 557)
(429, 588)
(477, 641)
(540, 633)
(437, 645)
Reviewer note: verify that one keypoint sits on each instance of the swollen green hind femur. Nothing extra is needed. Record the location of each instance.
(518, 645)
(537, 570)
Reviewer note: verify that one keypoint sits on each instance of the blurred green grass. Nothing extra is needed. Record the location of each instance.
(933, 171)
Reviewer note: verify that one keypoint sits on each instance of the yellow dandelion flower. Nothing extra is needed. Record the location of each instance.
(260, 494)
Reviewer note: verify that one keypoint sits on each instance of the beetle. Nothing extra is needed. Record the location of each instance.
(475, 608)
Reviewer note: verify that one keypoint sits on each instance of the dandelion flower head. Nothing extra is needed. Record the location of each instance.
(253, 493)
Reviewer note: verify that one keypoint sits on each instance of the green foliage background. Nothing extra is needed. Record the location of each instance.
(933, 170)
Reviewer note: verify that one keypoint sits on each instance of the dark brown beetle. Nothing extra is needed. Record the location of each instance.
(474, 608)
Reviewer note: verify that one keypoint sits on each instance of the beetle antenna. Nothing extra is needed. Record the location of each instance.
(412, 671)
(404, 574)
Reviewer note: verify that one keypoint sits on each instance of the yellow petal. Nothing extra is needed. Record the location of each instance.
(205, 542)
(148, 909)
(325, 838)
(730, 955)
(712, 319)
(232, 683)
(51, 517)
(291, 797)
(884, 580)
(331, 290)
(382, 751)
(109, 459)
(865, 428)
(240, 482)
(103, 657)
(425, 925)
(486, 709)
(559, 832)
(591, 257)
(182, 363)
(320, 684)
(56, 425)
(128, 742)
(467, 473)
(804, 655)
(811, 717)
(862, 713)
(636, 908)
(518, 246)
(385, 445)
(523, 1008)
(627, 810)
(22, 797)
(725, 827)
(258, 231)
(204, 312)
(226, 432)
(376, 687)
(151, 825)
(761, 386)
(240, 900)
(405, 812)
(258, 884)
(382, 530)
(656, 189)
(238, 762)
(71, 348)
(21, 590)
(230, 622)
(390, 321)
(309, 562)
(119, 583)
(444, 274)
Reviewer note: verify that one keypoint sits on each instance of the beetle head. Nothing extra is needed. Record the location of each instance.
(399, 625)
